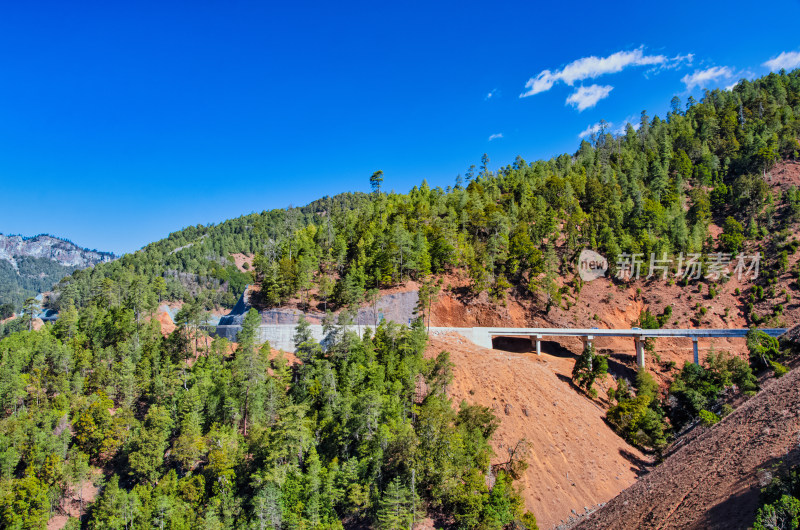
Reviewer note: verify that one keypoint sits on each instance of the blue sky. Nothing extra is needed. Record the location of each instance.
(122, 123)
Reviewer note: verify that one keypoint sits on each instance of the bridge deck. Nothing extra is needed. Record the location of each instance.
(633, 333)
(282, 335)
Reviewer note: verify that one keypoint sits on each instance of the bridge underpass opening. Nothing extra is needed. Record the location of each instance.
(571, 347)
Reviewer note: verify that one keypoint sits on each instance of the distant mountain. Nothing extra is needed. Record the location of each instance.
(31, 265)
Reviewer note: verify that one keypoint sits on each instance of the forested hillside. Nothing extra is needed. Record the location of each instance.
(655, 189)
(187, 432)
(361, 433)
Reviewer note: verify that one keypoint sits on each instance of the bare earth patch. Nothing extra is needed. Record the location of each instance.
(70, 506)
(576, 461)
(713, 480)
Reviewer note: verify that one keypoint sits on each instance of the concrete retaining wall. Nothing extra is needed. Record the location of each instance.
(281, 336)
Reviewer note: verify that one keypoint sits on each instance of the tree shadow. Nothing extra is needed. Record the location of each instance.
(639, 466)
(619, 365)
(736, 512)
(463, 293)
(567, 380)
(524, 344)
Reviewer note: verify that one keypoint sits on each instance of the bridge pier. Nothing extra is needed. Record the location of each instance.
(536, 343)
(639, 352)
(695, 350)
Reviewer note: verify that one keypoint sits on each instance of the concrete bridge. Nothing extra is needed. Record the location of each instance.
(281, 336)
(483, 336)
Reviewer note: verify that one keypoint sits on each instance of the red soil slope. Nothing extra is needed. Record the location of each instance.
(576, 461)
(713, 480)
(603, 304)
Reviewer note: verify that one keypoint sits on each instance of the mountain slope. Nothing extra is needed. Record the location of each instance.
(671, 187)
(712, 481)
(30, 265)
(575, 459)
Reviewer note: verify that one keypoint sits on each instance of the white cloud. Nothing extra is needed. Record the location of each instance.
(786, 60)
(586, 97)
(731, 86)
(672, 63)
(610, 127)
(590, 130)
(623, 128)
(495, 136)
(700, 78)
(593, 67)
(492, 94)
(541, 83)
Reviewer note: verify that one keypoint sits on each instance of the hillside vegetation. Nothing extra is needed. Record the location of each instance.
(651, 190)
(187, 432)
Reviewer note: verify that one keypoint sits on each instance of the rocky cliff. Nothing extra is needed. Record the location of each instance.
(62, 251)
(31, 265)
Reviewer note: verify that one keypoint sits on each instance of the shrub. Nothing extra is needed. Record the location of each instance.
(779, 369)
(783, 260)
(763, 348)
(697, 388)
(732, 235)
(779, 501)
(647, 320)
(787, 509)
(708, 418)
(588, 368)
(640, 418)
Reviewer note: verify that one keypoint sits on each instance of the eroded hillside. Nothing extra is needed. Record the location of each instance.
(575, 460)
(713, 479)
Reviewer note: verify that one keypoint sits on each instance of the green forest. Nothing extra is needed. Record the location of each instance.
(360, 433)
(32, 276)
(189, 432)
(654, 189)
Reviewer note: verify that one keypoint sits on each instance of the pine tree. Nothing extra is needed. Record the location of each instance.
(394, 512)
(267, 508)
(588, 368)
(29, 312)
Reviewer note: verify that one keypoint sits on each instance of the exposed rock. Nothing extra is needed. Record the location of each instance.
(61, 251)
